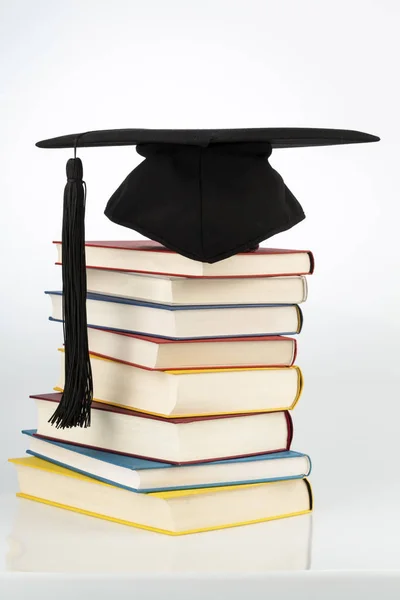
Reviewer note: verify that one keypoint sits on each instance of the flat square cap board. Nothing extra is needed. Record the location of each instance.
(278, 137)
(207, 194)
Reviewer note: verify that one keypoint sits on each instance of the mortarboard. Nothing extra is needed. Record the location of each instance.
(206, 194)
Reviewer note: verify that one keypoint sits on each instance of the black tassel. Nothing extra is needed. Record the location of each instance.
(74, 407)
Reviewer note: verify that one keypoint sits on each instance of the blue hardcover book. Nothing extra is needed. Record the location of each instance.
(139, 475)
(186, 321)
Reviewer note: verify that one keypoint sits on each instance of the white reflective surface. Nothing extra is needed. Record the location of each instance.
(351, 552)
(349, 536)
(44, 538)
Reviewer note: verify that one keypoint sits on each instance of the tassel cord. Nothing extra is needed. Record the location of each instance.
(74, 407)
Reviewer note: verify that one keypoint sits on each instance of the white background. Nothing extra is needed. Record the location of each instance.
(76, 66)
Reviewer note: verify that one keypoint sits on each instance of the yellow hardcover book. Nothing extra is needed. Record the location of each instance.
(197, 392)
(177, 512)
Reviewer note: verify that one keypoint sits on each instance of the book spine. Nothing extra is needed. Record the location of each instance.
(305, 289)
(294, 352)
(300, 318)
(310, 492)
(300, 384)
(289, 424)
(312, 262)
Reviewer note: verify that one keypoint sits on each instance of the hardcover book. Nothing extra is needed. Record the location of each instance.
(145, 256)
(194, 291)
(173, 440)
(175, 512)
(161, 354)
(141, 475)
(183, 322)
(190, 393)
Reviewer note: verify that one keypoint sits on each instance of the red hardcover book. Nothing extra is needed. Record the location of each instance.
(142, 256)
(184, 440)
(160, 354)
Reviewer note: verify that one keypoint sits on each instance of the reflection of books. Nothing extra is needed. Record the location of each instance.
(44, 538)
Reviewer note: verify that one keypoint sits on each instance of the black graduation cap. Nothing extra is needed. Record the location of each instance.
(206, 194)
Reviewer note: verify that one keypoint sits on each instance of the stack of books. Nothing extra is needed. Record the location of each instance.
(194, 383)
